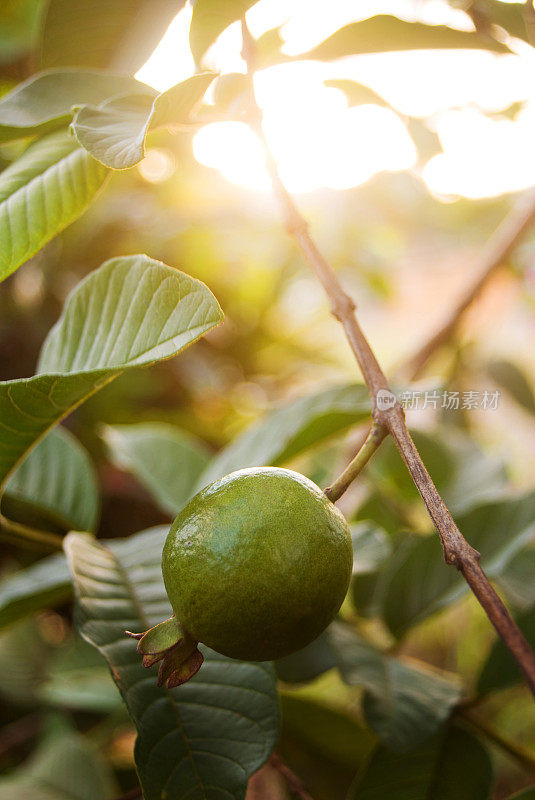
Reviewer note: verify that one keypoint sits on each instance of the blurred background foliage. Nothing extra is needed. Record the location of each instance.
(405, 255)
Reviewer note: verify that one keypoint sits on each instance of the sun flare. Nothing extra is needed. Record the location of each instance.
(320, 142)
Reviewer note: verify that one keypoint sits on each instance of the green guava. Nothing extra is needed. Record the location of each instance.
(257, 564)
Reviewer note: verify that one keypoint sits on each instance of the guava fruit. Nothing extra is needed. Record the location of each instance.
(255, 567)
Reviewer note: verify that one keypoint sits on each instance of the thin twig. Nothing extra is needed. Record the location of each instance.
(374, 438)
(492, 256)
(133, 794)
(516, 751)
(295, 783)
(51, 541)
(386, 409)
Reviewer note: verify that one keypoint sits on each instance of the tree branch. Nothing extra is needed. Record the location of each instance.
(374, 438)
(492, 256)
(295, 784)
(389, 415)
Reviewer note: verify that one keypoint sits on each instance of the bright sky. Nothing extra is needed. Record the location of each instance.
(320, 142)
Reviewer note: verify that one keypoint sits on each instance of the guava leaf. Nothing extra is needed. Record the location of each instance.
(385, 33)
(306, 664)
(165, 459)
(500, 669)
(417, 582)
(210, 18)
(287, 431)
(327, 730)
(455, 766)
(46, 100)
(42, 585)
(114, 132)
(58, 482)
(204, 738)
(117, 35)
(130, 312)
(404, 702)
(64, 767)
(46, 189)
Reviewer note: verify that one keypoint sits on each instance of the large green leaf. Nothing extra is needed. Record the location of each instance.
(404, 703)
(451, 767)
(130, 312)
(203, 739)
(57, 481)
(97, 33)
(313, 660)
(289, 430)
(165, 459)
(463, 474)
(42, 585)
(46, 100)
(500, 669)
(65, 767)
(210, 18)
(114, 132)
(41, 193)
(417, 582)
(384, 33)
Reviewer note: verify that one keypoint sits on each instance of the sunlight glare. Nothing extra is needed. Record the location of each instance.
(319, 142)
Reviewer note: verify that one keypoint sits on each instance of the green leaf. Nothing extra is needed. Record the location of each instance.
(46, 189)
(512, 379)
(118, 35)
(204, 738)
(114, 132)
(305, 665)
(384, 33)
(500, 669)
(65, 767)
(23, 657)
(463, 474)
(287, 431)
(46, 100)
(130, 312)
(58, 481)
(43, 585)
(357, 94)
(453, 767)
(526, 794)
(516, 579)
(417, 582)
(210, 18)
(371, 547)
(327, 731)
(165, 459)
(78, 678)
(403, 703)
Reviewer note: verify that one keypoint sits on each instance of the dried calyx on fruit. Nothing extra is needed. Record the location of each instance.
(255, 567)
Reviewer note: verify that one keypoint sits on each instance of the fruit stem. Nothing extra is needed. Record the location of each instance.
(375, 436)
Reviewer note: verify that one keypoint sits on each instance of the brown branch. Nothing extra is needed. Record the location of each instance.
(390, 414)
(497, 249)
(516, 751)
(295, 784)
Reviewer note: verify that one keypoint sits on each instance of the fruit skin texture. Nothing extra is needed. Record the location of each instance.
(257, 564)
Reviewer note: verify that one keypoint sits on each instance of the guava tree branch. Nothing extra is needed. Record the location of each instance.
(387, 412)
(492, 256)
